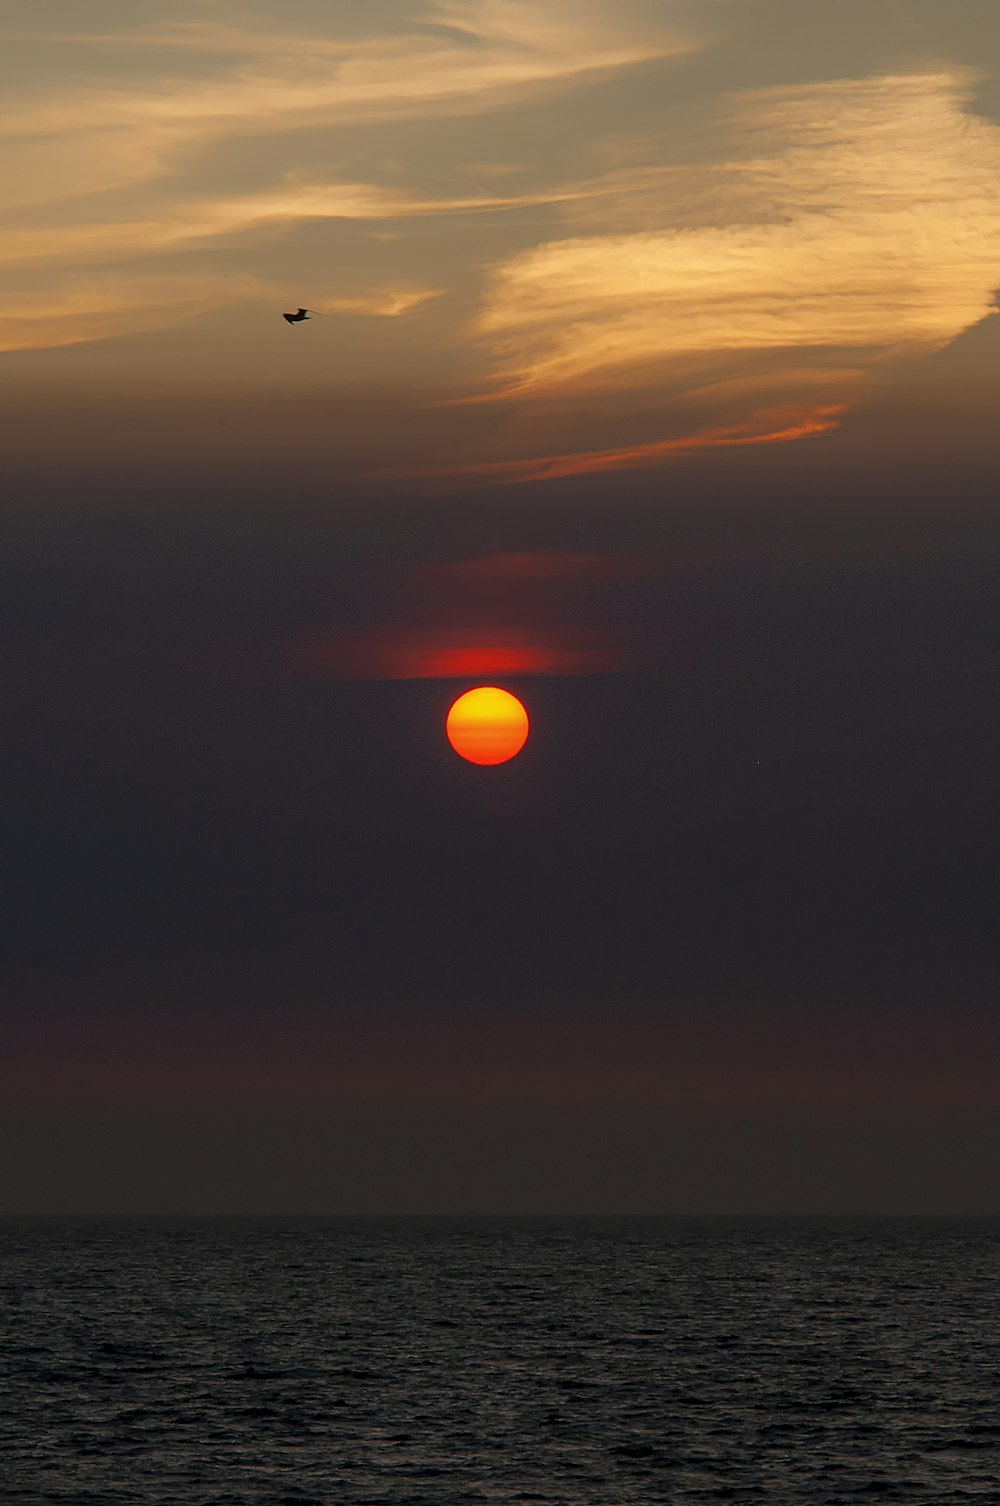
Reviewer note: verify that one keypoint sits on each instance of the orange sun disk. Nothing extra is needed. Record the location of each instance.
(487, 725)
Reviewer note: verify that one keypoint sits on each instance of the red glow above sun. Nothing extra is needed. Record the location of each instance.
(487, 725)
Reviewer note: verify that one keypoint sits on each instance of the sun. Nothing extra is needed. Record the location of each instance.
(487, 725)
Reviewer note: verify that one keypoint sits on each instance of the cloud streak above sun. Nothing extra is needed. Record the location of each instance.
(540, 612)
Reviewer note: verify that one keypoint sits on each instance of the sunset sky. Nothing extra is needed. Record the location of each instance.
(657, 380)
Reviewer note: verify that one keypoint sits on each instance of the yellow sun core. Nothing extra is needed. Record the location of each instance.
(487, 725)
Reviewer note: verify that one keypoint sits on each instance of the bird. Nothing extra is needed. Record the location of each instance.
(297, 317)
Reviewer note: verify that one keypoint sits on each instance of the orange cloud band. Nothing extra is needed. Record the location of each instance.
(797, 424)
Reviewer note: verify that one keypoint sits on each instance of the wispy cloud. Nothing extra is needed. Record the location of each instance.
(64, 297)
(185, 223)
(745, 293)
(382, 303)
(476, 55)
(768, 427)
(537, 612)
(100, 307)
(106, 166)
(867, 219)
(103, 307)
(859, 219)
(414, 654)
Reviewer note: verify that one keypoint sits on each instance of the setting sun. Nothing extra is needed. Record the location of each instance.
(487, 725)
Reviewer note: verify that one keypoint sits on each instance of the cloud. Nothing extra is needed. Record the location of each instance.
(870, 223)
(854, 217)
(768, 427)
(103, 307)
(746, 293)
(443, 654)
(106, 165)
(58, 303)
(382, 303)
(554, 29)
(470, 57)
(536, 612)
(184, 224)
(100, 307)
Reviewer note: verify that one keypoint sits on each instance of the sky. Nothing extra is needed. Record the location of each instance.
(653, 376)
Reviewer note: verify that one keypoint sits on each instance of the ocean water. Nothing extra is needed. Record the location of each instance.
(432, 1362)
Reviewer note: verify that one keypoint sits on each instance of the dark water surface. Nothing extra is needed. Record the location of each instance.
(596, 1362)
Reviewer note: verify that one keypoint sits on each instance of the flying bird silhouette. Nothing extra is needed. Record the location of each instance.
(297, 317)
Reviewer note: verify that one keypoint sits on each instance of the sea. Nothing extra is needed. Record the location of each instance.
(451, 1361)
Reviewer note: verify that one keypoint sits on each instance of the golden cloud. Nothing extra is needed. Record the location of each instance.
(776, 426)
(104, 173)
(382, 303)
(474, 56)
(868, 221)
(748, 297)
(70, 306)
(860, 219)
(186, 223)
(102, 307)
